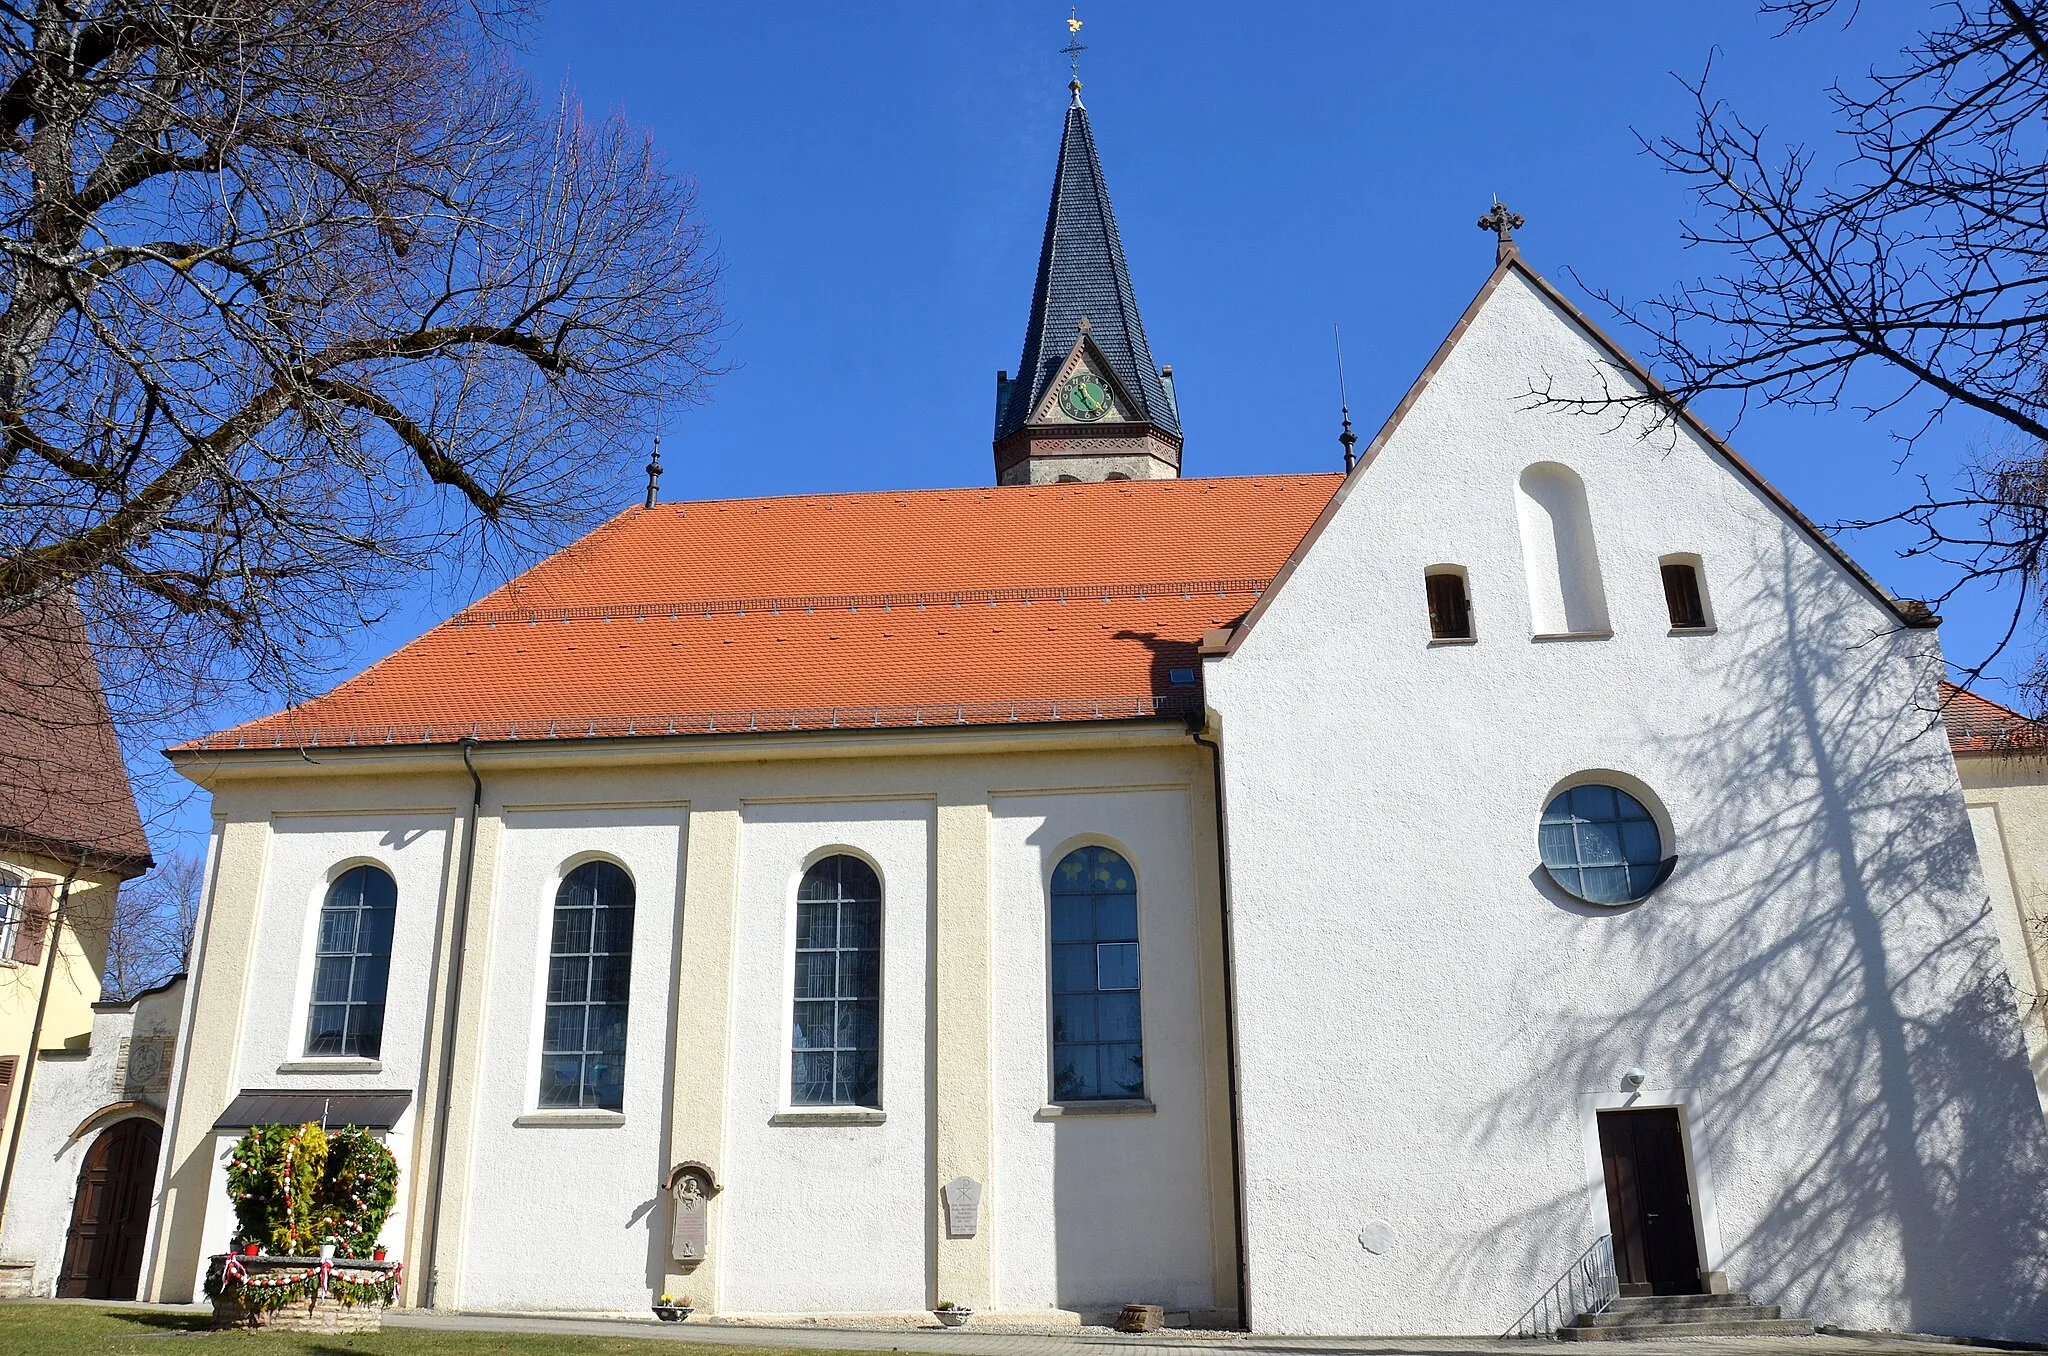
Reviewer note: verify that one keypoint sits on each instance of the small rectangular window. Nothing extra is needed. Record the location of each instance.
(1450, 611)
(1682, 597)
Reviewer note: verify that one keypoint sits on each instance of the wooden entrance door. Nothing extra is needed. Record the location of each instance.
(110, 1216)
(1649, 1202)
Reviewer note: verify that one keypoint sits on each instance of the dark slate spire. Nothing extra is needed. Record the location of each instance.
(1082, 275)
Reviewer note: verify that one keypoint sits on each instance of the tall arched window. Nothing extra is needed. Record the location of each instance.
(1558, 556)
(1098, 1047)
(352, 965)
(590, 970)
(835, 1037)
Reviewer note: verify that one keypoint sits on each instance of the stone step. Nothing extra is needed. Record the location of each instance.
(1720, 1313)
(1701, 1327)
(1735, 1299)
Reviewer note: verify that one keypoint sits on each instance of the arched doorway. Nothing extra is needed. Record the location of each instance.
(110, 1215)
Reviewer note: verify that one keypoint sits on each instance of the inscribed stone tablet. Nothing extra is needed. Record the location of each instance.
(690, 1229)
(963, 1207)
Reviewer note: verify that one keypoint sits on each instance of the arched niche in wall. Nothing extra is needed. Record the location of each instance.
(1558, 556)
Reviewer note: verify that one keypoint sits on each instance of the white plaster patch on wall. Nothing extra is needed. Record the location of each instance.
(1092, 1212)
(827, 1218)
(1418, 1015)
(572, 1216)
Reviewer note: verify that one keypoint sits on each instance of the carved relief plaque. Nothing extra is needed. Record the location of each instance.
(690, 1189)
(963, 1207)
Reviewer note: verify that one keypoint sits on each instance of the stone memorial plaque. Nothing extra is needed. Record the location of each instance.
(690, 1188)
(963, 1207)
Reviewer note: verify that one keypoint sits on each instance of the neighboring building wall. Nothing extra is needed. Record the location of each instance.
(78, 952)
(2007, 797)
(1428, 1028)
(818, 1211)
(80, 1095)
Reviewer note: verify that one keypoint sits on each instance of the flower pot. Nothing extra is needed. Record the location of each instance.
(953, 1318)
(326, 1252)
(248, 1250)
(377, 1254)
(671, 1313)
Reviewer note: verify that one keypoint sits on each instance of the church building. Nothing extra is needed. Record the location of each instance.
(1375, 902)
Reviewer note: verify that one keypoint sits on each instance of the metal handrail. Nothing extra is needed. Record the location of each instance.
(1588, 1286)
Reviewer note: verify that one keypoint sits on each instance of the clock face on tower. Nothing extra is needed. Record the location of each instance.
(1085, 396)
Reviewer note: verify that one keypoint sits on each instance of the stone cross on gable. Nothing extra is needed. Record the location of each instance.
(1503, 224)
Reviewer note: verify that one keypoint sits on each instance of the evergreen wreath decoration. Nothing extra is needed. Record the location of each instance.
(296, 1187)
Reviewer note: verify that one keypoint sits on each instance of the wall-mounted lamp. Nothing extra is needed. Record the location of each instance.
(1634, 1078)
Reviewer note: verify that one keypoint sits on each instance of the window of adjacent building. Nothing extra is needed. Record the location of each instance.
(1602, 845)
(1450, 609)
(590, 971)
(1097, 1029)
(352, 965)
(1683, 597)
(835, 1038)
(13, 899)
(1558, 555)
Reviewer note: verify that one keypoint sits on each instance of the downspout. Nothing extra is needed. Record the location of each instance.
(451, 1008)
(1244, 1284)
(51, 954)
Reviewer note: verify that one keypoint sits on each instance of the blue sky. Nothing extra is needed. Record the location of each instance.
(876, 180)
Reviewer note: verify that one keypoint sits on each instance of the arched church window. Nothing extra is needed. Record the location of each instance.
(1098, 1050)
(590, 971)
(352, 965)
(1601, 845)
(835, 1039)
(1558, 555)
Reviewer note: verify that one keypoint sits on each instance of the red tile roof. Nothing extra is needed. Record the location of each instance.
(65, 794)
(1979, 725)
(925, 607)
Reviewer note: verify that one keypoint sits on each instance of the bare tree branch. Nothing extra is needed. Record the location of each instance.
(298, 298)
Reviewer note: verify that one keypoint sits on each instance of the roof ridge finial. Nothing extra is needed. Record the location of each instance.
(1503, 224)
(1347, 437)
(1072, 51)
(654, 472)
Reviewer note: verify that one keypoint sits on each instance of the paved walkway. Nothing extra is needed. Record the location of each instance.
(1174, 1342)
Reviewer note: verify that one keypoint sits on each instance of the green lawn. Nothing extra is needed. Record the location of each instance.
(31, 1329)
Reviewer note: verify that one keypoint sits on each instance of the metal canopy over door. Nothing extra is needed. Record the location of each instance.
(1649, 1202)
(110, 1215)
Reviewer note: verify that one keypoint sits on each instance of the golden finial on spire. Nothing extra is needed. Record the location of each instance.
(1072, 51)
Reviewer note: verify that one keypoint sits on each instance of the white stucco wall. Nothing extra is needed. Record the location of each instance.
(308, 853)
(77, 1097)
(1096, 1211)
(565, 1211)
(828, 1218)
(1426, 1025)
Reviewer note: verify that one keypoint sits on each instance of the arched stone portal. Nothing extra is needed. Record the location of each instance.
(110, 1213)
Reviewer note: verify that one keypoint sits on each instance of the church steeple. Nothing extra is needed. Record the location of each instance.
(1087, 403)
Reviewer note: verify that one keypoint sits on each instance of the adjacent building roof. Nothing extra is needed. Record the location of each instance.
(1979, 725)
(64, 793)
(1082, 276)
(930, 607)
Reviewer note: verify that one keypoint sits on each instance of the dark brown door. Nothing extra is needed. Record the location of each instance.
(110, 1217)
(1649, 1202)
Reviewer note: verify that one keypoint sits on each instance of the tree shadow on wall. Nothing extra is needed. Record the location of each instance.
(1821, 969)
